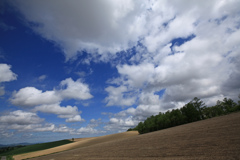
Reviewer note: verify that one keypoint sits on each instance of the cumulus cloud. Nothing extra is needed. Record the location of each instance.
(95, 122)
(205, 64)
(6, 76)
(4, 133)
(120, 124)
(136, 75)
(76, 118)
(63, 129)
(86, 130)
(49, 101)
(91, 128)
(6, 73)
(80, 32)
(20, 117)
(147, 98)
(23, 121)
(62, 112)
(44, 128)
(74, 90)
(119, 96)
(130, 117)
(30, 96)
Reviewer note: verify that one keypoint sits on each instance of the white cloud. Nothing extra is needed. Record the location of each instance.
(30, 96)
(90, 128)
(126, 122)
(95, 122)
(149, 99)
(20, 117)
(76, 118)
(121, 20)
(86, 130)
(44, 128)
(4, 134)
(62, 112)
(71, 113)
(38, 127)
(49, 101)
(6, 73)
(118, 97)
(63, 129)
(6, 76)
(23, 121)
(153, 23)
(120, 124)
(136, 75)
(206, 66)
(74, 90)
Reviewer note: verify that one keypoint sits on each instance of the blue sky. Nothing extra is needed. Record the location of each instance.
(91, 68)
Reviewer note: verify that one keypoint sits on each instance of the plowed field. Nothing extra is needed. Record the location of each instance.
(216, 138)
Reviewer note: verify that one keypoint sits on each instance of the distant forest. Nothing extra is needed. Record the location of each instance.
(193, 111)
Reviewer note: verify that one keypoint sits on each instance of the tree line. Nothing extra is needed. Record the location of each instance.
(193, 111)
(9, 148)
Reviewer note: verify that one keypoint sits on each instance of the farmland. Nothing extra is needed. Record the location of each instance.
(215, 138)
(35, 147)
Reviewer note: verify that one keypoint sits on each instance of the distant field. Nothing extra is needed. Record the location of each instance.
(36, 147)
(216, 138)
(80, 143)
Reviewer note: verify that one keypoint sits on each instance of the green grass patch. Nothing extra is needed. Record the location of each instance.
(36, 147)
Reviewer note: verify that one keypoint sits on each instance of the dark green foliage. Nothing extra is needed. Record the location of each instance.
(35, 147)
(10, 148)
(132, 129)
(193, 111)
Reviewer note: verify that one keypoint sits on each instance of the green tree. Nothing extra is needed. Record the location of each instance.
(160, 120)
(190, 113)
(239, 100)
(198, 104)
(193, 111)
(228, 105)
(130, 129)
(176, 117)
(140, 127)
(238, 106)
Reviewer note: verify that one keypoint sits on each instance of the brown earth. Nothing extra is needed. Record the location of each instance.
(216, 138)
(79, 143)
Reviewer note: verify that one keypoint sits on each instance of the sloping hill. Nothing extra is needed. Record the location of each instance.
(36, 147)
(81, 142)
(216, 138)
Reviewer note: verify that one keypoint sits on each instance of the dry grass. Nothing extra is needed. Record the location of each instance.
(216, 138)
(79, 143)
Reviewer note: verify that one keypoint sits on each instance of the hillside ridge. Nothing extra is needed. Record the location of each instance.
(79, 143)
(215, 138)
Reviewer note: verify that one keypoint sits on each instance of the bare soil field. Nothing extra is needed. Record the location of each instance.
(216, 138)
(79, 142)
